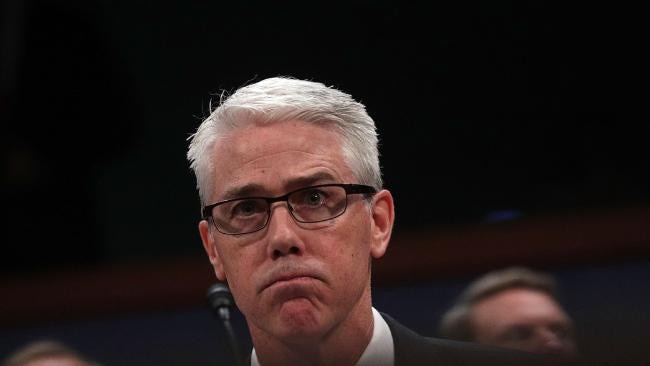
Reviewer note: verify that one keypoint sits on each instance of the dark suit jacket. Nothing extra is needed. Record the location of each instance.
(412, 349)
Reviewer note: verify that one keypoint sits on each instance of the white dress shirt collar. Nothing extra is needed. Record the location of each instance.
(379, 352)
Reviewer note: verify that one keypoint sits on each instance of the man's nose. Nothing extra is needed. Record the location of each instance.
(282, 233)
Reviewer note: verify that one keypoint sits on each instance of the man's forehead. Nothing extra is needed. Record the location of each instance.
(253, 141)
(286, 184)
(517, 302)
(272, 159)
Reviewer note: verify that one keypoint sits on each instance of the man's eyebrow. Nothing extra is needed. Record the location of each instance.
(255, 189)
(243, 191)
(317, 178)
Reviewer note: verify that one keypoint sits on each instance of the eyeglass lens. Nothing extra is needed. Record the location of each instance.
(311, 204)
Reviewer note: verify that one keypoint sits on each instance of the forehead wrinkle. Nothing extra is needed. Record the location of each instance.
(320, 177)
(279, 153)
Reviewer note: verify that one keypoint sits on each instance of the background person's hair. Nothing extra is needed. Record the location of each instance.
(43, 349)
(456, 323)
(284, 98)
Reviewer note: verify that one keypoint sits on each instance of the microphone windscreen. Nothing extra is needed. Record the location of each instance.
(218, 295)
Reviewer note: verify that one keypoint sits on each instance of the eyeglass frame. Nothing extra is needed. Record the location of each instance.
(349, 188)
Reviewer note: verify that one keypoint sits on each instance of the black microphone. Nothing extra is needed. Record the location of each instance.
(220, 300)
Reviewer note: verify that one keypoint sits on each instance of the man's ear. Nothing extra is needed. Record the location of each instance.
(211, 249)
(383, 217)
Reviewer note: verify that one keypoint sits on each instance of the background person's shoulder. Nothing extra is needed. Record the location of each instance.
(413, 349)
(467, 353)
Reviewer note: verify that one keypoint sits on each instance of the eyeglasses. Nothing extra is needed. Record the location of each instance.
(306, 205)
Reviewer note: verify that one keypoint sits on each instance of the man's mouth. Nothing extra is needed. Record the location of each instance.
(289, 276)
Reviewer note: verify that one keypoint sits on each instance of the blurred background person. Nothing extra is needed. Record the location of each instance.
(514, 307)
(46, 353)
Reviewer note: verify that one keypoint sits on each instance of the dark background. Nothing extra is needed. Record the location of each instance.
(487, 112)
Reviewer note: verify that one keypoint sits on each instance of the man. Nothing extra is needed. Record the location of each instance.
(46, 353)
(515, 308)
(293, 214)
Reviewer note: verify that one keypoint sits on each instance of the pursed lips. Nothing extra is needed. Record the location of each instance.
(282, 277)
(286, 278)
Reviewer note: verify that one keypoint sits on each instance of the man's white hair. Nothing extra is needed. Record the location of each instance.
(286, 98)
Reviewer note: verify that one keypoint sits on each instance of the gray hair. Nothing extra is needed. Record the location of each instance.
(456, 324)
(283, 98)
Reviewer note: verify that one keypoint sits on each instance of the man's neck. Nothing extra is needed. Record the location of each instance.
(341, 346)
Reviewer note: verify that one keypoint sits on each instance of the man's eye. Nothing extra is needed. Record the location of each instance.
(314, 198)
(519, 333)
(247, 208)
(560, 331)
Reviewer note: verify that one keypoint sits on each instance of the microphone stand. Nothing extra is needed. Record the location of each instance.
(220, 300)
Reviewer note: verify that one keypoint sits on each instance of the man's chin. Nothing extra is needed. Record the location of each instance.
(298, 319)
